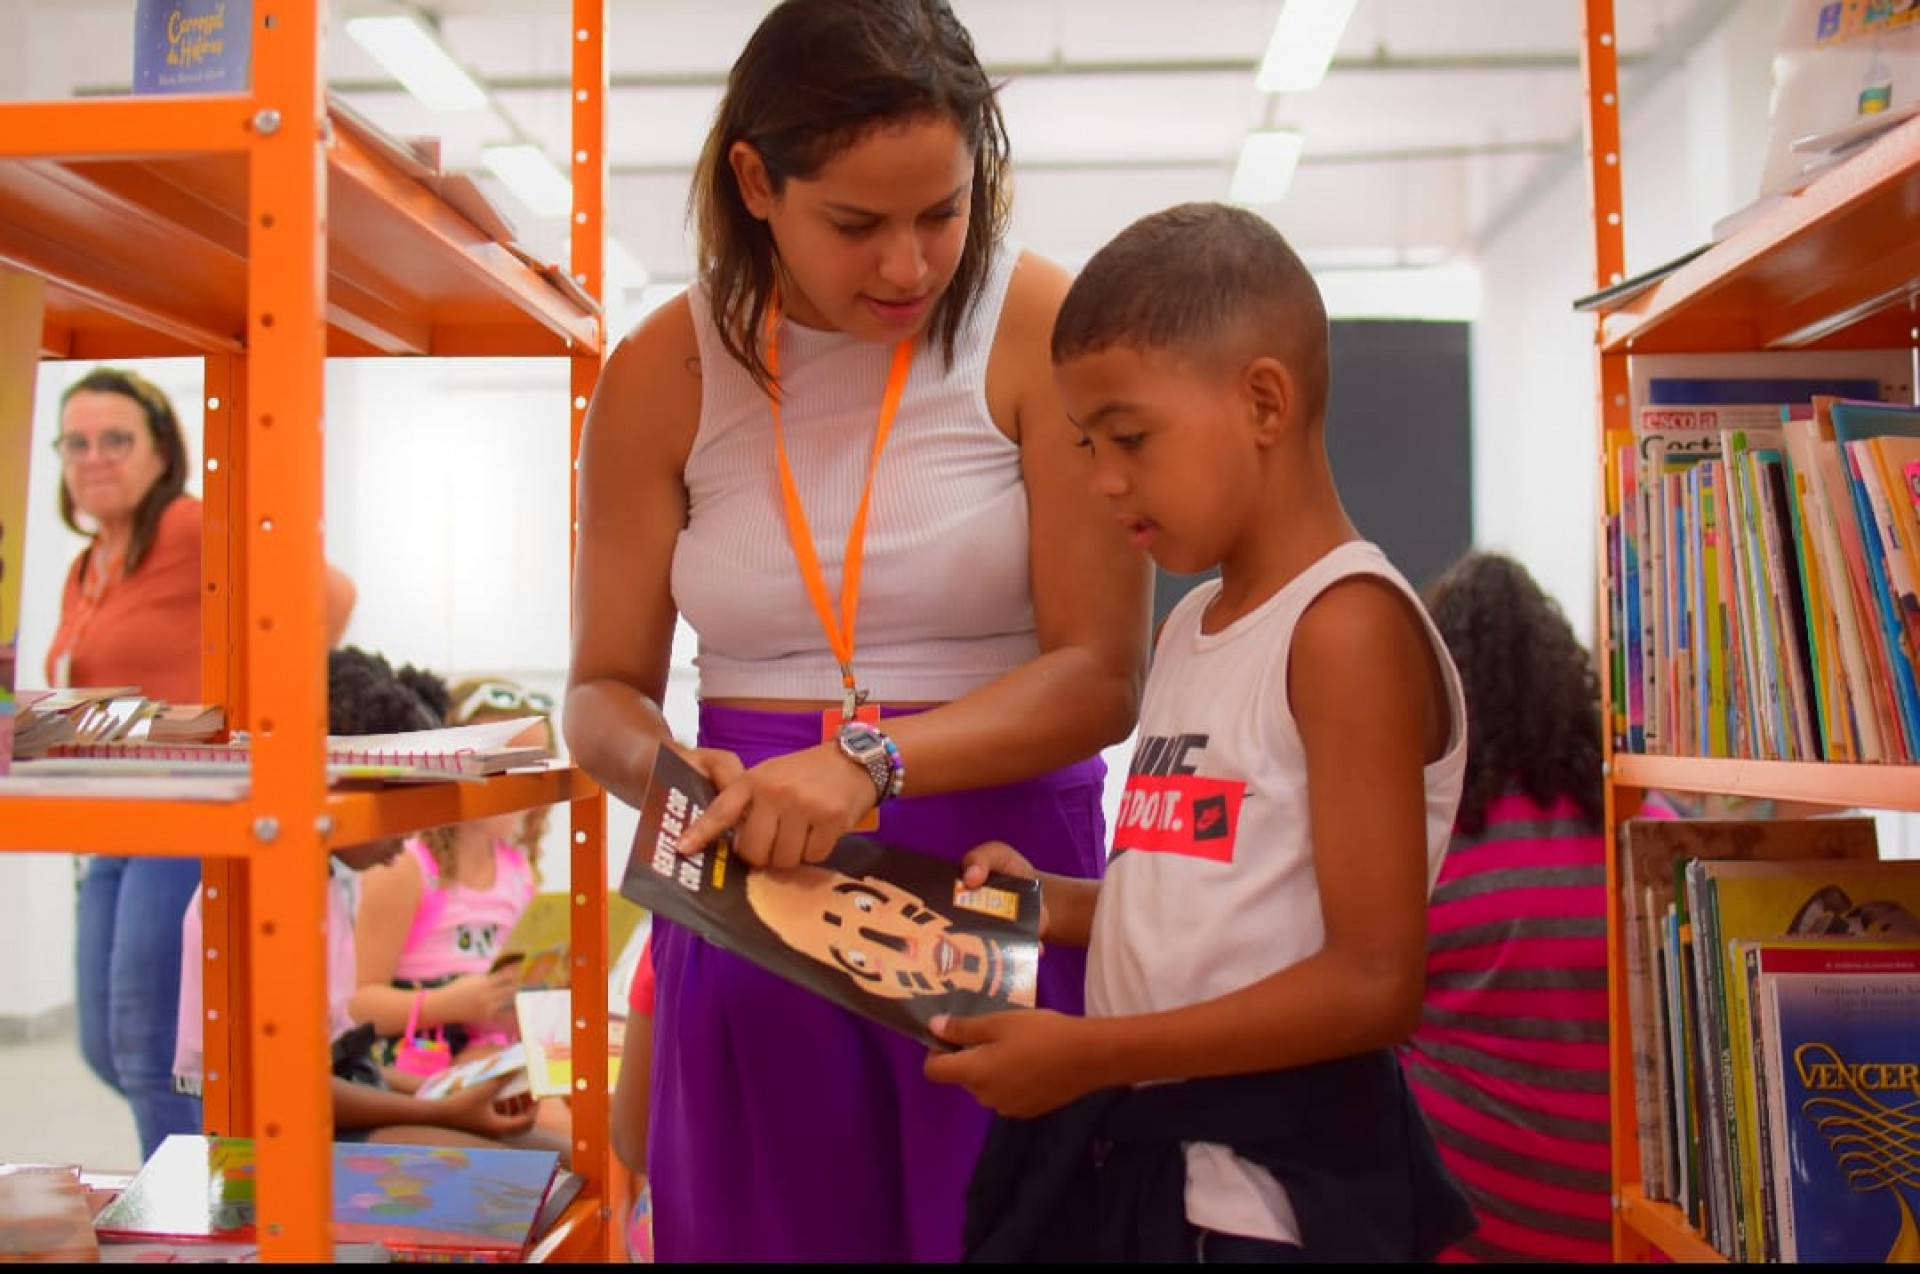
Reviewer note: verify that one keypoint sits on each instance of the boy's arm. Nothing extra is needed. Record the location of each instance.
(1067, 905)
(1370, 704)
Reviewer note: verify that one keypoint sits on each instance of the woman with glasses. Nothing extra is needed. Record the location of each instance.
(431, 922)
(130, 616)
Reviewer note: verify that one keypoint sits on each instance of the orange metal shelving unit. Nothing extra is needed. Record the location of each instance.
(1837, 266)
(261, 233)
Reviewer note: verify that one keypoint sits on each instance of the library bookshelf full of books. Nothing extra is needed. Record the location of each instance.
(263, 231)
(1759, 456)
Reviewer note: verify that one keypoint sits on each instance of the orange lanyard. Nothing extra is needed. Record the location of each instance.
(839, 628)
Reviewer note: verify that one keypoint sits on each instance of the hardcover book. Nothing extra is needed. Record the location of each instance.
(881, 930)
(426, 1203)
(192, 46)
(1843, 1034)
(1650, 848)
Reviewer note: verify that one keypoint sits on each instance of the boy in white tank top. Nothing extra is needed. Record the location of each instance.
(1258, 944)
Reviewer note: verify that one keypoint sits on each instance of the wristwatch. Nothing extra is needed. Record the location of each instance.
(866, 747)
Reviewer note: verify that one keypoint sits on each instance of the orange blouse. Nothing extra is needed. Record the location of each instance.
(144, 629)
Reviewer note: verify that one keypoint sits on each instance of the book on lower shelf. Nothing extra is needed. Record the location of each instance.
(881, 930)
(421, 1203)
(1840, 1035)
(44, 1215)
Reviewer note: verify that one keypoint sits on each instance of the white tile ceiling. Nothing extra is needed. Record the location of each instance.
(1436, 114)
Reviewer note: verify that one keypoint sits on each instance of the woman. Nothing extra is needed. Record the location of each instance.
(914, 473)
(1510, 1060)
(130, 616)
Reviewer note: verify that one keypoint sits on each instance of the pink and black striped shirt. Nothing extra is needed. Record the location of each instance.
(1510, 1061)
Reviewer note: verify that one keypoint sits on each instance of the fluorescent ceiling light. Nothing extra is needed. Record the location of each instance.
(413, 56)
(532, 177)
(1267, 161)
(1302, 45)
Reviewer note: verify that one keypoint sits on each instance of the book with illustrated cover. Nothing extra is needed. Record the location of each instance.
(1841, 1027)
(423, 1203)
(876, 928)
(1649, 850)
(546, 1036)
(540, 945)
(1731, 901)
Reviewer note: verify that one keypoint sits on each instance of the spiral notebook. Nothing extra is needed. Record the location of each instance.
(453, 752)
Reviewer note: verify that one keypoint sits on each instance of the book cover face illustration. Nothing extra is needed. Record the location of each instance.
(475, 1204)
(1846, 1056)
(886, 932)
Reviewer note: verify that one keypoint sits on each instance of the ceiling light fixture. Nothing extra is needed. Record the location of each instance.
(1302, 46)
(1265, 170)
(532, 177)
(414, 56)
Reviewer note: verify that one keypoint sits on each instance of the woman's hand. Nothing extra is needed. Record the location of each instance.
(788, 809)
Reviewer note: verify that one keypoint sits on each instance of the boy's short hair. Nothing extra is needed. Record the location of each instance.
(366, 696)
(1203, 279)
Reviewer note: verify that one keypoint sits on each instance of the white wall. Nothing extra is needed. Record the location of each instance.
(1692, 149)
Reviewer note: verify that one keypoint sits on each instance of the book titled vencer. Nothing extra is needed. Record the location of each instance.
(886, 932)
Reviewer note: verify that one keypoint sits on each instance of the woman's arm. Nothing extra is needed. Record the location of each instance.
(633, 504)
(630, 1094)
(1092, 591)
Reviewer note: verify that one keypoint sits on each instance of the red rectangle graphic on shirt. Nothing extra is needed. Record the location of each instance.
(1180, 814)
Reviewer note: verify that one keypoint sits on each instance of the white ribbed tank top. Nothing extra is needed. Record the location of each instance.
(945, 604)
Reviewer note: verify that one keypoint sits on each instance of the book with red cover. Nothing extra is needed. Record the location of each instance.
(419, 1202)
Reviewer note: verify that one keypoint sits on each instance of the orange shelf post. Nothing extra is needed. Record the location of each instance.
(263, 233)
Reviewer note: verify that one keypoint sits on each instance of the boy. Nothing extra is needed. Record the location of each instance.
(364, 696)
(1258, 944)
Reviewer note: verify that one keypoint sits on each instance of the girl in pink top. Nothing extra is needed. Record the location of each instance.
(431, 923)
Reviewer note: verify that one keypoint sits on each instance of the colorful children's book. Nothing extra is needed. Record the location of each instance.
(510, 1062)
(546, 1035)
(1754, 900)
(888, 933)
(541, 945)
(1650, 848)
(1842, 1032)
(427, 1203)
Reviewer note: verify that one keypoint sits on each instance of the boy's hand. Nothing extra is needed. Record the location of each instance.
(1022, 1063)
(477, 1110)
(998, 856)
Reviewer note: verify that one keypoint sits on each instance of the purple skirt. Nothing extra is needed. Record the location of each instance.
(787, 1129)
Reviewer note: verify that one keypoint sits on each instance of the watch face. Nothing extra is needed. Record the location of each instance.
(860, 739)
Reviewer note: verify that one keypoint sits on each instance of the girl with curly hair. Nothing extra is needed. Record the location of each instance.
(1510, 1060)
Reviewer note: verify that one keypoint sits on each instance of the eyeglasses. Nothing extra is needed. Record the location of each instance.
(500, 696)
(112, 444)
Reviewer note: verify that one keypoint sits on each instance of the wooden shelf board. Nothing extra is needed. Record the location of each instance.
(147, 254)
(1666, 1228)
(1895, 787)
(1836, 265)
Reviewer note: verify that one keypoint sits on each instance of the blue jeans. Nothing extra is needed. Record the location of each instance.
(128, 965)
